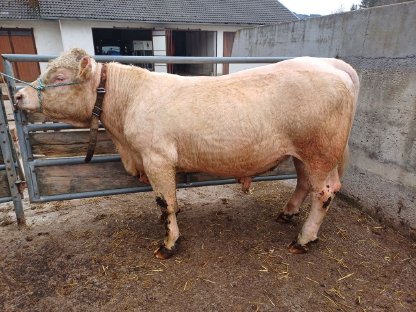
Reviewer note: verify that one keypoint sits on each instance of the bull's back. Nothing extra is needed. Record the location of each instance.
(247, 121)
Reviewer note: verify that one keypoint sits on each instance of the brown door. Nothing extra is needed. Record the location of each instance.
(5, 48)
(228, 49)
(20, 41)
(170, 48)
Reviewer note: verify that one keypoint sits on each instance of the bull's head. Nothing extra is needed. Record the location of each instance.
(66, 91)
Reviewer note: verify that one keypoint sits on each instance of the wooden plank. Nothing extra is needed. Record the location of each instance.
(285, 167)
(68, 143)
(4, 184)
(37, 118)
(83, 178)
(105, 176)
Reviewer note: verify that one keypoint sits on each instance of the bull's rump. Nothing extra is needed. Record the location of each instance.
(244, 123)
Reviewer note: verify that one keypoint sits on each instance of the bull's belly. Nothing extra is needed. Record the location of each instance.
(231, 165)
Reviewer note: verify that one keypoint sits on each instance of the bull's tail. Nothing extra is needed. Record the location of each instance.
(343, 162)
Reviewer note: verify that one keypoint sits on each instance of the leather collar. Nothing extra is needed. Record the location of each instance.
(96, 113)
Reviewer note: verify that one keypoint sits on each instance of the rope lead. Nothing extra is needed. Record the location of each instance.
(41, 86)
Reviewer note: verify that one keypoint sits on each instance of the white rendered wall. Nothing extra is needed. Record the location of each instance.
(220, 50)
(76, 34)
(159, 49)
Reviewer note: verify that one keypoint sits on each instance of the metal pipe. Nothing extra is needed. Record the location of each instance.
(20, 120)
(72, 160)
(153, 59)
(52, 126)
(48, 126)
(6, 147)
(140, 189)
(5, 200)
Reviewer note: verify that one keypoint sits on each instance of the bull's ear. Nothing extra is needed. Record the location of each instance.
(85, 68)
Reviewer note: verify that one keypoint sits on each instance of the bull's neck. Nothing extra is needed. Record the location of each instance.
(123, 82)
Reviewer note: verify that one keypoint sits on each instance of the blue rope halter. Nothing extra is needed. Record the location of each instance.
(41, 86)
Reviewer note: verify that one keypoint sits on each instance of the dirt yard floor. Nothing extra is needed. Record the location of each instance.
(97, 255)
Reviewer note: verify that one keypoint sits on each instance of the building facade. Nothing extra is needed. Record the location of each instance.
(132, 27)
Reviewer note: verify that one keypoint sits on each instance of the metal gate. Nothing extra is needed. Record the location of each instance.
(53, 153)
(11, 175)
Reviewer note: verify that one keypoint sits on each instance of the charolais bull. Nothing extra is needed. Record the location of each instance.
(236, 125)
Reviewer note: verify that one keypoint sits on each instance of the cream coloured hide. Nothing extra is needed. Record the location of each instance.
(237, 125)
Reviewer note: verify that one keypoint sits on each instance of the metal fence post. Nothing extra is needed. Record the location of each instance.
(10, 160)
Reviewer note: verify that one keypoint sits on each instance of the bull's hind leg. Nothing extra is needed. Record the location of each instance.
(162, 177)
(302, 190)
(323, 191)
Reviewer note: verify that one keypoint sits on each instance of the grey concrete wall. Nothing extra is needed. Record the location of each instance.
(380, 43)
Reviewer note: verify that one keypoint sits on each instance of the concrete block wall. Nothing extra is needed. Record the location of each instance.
(380, 43)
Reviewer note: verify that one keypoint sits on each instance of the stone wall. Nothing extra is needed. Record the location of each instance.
(380, 43)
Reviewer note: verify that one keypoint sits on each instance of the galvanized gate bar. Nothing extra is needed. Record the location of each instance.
(154, 59)
(20, 121)
(141, 189)
(24, 129)
(10, 165)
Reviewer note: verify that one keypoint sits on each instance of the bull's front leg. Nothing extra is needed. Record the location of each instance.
(162, 177)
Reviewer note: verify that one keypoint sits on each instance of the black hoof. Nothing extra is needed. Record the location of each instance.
(285, 218)
(296, 248)
(164, 253)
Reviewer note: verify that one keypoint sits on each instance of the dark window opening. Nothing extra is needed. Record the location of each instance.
(191, 43)
(110, 41)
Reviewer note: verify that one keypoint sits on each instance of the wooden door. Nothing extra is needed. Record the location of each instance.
(170, 48)
(20, 41)
(5, 48)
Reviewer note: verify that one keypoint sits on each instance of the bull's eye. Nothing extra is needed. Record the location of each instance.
(60, 78)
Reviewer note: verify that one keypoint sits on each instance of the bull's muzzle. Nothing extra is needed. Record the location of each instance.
(18, 100)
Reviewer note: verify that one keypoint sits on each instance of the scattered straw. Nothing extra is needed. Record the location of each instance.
(264, 269)
(346, 276)
(309, 279)
(331, 300)
(186, 284)
(337, 292)
(270, 301)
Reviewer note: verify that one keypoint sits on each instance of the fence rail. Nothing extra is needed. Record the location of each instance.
(53, 157)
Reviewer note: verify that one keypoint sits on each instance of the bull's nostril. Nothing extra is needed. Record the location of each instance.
(18, 96)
